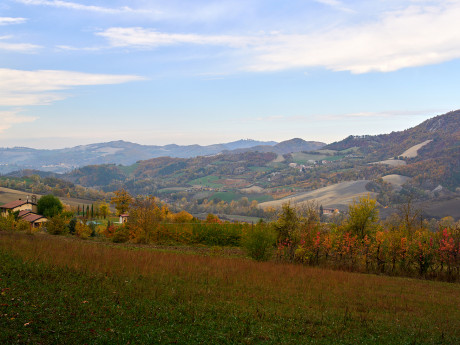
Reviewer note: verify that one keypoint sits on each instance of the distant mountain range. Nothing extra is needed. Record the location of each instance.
(127, 153)
(422, 162)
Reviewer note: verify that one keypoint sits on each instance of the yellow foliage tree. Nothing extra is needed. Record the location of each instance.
(182, 217)
(145, 214)
(121, 200)
(104, 210)
(363, 216)
(82, 230)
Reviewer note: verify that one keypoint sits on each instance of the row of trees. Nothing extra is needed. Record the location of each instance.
(363, 243)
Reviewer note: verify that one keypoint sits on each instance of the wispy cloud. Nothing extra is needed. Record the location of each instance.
(151, 38)
(25, 88)
(383, 114)
(17, 47)
(356, 116)
(10, 20)
(81, 7)
(338, 5)
(417, 35)
(10, 118)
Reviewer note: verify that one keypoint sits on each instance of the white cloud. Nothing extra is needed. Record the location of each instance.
(9, 118)
(17, 47)
(383, 114)
(80, 7)
(338, 5)
(418, 35)
(415, 36)
(9, 20)
(24, 88)
(354, 116)
(150, 38)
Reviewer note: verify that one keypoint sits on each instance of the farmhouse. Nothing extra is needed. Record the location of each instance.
(124, 218)
(18, 205)
(35, 220)
(329, 211)
(26, 211)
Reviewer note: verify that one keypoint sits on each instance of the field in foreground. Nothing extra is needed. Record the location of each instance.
(55, 290)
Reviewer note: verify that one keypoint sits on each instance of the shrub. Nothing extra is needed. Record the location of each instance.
(259, 242)
(83, 231)
(22, 225)
(121, 235)
(72, 225)
(56, 226)
(7, 223)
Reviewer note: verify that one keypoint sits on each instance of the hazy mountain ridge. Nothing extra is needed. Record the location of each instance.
(114, 152)
(287, 146)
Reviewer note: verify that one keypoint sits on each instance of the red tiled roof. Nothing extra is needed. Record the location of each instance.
(32, 217)
(124, 215)
(13, 204)
(23, 213)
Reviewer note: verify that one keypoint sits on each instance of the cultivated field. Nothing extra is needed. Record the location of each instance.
(413, 151)
(8, 195)
(338, 195)
(56, 290)
(392, 162)
(396, 180)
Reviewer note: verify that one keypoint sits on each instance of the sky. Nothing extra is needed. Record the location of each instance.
(204, 72)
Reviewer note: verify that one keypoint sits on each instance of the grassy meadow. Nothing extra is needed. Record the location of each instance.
(57, 290)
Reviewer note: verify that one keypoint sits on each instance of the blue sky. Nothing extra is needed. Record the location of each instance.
(186, 72)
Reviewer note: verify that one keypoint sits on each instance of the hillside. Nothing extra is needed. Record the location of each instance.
(443, 130)
(429, 152)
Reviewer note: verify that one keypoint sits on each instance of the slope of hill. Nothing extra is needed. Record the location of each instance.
(337, 195)
(443, 130)
(431, 150)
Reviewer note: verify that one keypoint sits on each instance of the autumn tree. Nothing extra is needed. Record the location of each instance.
(104, 210)
(363, 216)
(145, 214)
(409, 215)
(121, 200)
(181, 217)
(287, 224)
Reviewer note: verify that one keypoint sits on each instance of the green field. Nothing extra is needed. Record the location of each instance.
(207, 181)
(227, 196)
(58, 290)
(303, 158)
(171, 190)
(260, 169)
(129, 169)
